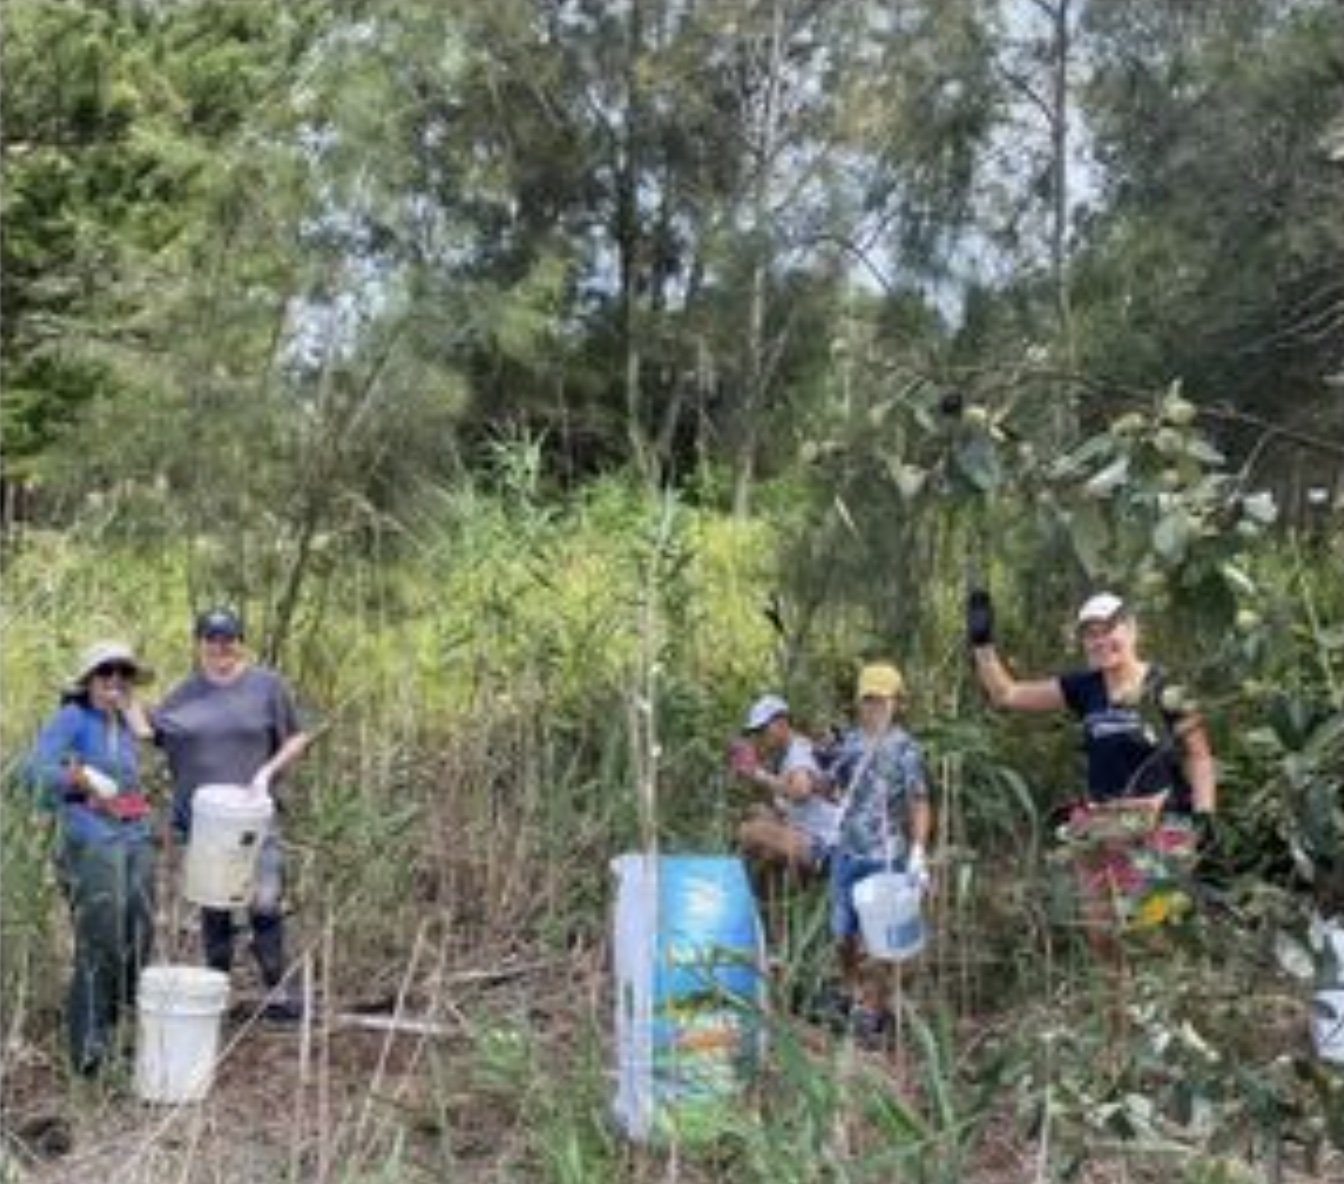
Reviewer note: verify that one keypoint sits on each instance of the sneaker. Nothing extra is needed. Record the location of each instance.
(872, 1030)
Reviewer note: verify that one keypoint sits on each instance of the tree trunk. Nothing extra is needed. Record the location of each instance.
(628, 244)
(755, 370)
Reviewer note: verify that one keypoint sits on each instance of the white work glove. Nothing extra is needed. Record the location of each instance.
(917, 867)
(99, 782)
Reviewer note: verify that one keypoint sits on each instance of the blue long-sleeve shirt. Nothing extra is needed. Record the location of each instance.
(79, 734)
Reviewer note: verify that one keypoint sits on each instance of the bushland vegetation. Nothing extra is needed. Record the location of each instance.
(543, 381)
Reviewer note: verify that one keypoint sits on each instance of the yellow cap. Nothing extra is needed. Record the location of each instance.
(881, 678)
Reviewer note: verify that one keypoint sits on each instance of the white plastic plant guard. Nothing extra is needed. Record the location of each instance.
(1327, 1024)
(691, 992)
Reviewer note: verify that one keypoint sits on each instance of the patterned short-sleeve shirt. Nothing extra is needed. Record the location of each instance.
(886, 775)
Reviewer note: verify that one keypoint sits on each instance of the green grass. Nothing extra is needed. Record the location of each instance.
(457, 820)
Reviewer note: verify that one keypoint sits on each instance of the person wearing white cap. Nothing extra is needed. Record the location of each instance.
(85, 768)
(797, 828)
(1151, 787)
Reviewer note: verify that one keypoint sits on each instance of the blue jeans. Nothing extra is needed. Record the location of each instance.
(846, 871)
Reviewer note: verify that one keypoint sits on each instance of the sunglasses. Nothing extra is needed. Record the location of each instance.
(1097, 630)
(115, 670)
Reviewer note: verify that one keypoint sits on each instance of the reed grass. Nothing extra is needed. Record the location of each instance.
(450, 840)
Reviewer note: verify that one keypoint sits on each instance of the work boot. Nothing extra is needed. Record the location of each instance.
(283, 1010)
(268, 947)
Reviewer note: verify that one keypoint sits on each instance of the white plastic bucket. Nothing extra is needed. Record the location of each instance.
(1327, 1024)
(180, 1009)
(228, 824)
(888, 904)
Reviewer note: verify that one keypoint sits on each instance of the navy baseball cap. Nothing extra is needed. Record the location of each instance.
(219, 622)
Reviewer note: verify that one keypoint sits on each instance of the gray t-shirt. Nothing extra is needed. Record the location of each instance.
(222, 733)
(814, 815)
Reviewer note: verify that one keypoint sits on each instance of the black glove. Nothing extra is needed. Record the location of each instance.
(979, 618)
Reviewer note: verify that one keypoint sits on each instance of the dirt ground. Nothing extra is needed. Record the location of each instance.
(327, 1100)
(289, 1102)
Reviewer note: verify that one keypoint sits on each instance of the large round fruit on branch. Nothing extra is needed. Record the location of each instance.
(1179, 411)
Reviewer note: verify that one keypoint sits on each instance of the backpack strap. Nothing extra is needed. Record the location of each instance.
(1155, 682)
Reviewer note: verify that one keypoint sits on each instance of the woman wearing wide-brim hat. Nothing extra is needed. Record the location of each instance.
(85, 768)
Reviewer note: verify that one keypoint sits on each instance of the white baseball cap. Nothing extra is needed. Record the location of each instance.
(1104, 606)
(765, 709)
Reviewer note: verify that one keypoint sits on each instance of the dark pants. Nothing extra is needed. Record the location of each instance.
(268, 942)
(268, 932)
(110, 886)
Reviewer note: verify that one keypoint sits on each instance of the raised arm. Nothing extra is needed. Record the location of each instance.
(1008, 693)
(1005, 692)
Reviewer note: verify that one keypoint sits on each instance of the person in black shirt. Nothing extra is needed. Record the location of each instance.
(1151, 788)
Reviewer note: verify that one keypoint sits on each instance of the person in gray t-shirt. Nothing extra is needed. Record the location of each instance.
(233, 723)
(797, 828)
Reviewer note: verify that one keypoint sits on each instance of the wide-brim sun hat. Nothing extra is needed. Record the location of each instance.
(1102, 608)
(110, 653)
(764, 711)
(881, 680)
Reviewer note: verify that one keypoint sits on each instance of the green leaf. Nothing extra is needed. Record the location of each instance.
(1109, 479)
(1293, 957)
(1240, 582)
(1089, 451)
(977, 460)
(1261, 508)
(1171, 536)
(1091, 538)
(1201, 450)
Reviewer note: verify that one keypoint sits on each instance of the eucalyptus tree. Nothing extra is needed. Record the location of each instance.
(266, 393)
(1218, 251)
(114, 113)
(675, 192)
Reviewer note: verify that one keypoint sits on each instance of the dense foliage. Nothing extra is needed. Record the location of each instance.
(544, 378)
